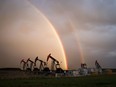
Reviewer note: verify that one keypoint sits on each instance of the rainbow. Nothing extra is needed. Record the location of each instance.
(78, 41)
(55, 32)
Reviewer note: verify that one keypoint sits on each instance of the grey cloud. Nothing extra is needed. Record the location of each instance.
(85, 11)
(95, 22)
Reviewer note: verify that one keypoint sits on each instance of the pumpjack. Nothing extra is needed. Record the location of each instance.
(30, 65)
(43, 69)
(24, 64)
(55, 66)
(83, 70)
(98, 67)
(83, 65)
(42, 63)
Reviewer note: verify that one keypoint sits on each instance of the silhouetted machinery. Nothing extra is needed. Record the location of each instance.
(98, 67)
(42, 64)
(43, 69)
(55, 66)
(24, 66)
(83, 65)
(83, 70)
(30, 65)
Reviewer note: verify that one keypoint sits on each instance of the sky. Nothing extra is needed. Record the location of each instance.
(86, 29)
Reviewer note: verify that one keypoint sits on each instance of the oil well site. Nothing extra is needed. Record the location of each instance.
(39, 68)
(57, 43)
(32, 75)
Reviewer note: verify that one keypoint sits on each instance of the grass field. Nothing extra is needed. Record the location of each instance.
(87, 81)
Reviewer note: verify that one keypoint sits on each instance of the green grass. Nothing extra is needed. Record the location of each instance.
(88, 81)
